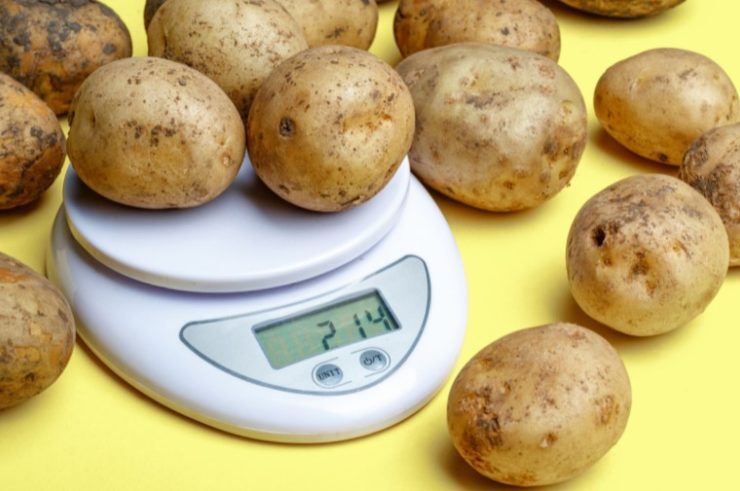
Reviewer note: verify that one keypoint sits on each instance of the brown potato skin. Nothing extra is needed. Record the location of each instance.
(329, 127)
(472, 101)
(623, 8)
(540, 405)
(646, 255)
(712, 167)
(411, 23)
(52, 46)
(150, 8)
(37, 332)
(153, 133)
(525, 24)
(657, 102)
(32, 147)
(346, 22)
(236, 43)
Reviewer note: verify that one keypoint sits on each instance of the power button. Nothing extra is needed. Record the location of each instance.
(374, 360)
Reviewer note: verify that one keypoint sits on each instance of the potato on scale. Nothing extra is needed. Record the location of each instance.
(329, 127)
(152, 133)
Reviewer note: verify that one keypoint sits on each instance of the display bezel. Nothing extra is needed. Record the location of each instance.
(406, 282)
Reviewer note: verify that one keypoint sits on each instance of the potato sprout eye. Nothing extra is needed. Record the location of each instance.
(599, 237)
(287, 127)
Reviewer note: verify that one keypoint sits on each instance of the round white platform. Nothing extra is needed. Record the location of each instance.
(246, 239)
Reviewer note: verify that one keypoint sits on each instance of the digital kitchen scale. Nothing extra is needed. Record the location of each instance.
(265, 320)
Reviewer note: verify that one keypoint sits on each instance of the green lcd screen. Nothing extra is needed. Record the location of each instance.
(346, 321)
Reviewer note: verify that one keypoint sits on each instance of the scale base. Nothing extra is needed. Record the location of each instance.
(134, 328)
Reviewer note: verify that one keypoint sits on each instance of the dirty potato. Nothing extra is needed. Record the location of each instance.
(37, 332)
(659, 101)
(329, 127)
(497, 128)
(712, 167)
(623, 8)
(152, 133)
(526, 24)
(346, 22)
(540, 405)
(646, 255)
(31, 145)
(52, 46)
(237, 43)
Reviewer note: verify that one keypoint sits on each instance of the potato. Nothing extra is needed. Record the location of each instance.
(712, 166)
(153, 133)
(646, 255)
(525, 24)
(497, 128)
(659, 101)
(329, 127)
(37, 332)
(51, 46)
(623, 8)
(31, 145)
(540, 405)
(347, 22)
(237, 43)
(150, 8)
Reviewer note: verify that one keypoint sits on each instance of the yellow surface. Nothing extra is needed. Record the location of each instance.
(91, 430)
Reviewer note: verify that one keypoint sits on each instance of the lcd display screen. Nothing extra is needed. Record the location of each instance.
(340, 323)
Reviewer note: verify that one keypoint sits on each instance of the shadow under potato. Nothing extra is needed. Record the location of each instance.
(566, 12)
(467, 478)
(464, 476)
(607, 144)
(568, 310)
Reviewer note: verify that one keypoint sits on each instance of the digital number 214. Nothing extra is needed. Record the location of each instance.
(367, 318)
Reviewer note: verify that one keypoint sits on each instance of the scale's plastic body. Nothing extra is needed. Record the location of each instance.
(140, 287)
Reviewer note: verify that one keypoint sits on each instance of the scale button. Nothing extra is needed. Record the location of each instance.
(374, 360)
(328, 375)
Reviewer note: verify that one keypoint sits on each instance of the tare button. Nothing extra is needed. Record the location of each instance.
(374, 360)
(328, 375)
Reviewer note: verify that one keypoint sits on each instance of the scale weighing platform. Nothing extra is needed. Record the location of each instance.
(265, 320)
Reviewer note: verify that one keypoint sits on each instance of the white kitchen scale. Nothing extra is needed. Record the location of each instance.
(265, 320)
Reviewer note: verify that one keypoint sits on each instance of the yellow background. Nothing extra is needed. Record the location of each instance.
(91, 430)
